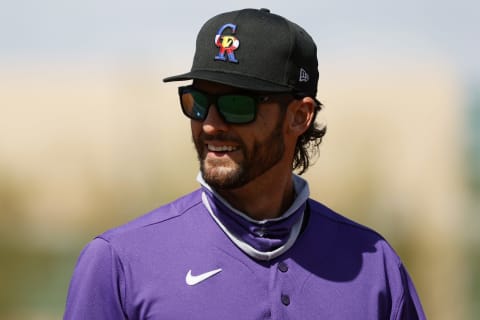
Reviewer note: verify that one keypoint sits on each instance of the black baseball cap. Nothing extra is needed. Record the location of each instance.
(255, 50)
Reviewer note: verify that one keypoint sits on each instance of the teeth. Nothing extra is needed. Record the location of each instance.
(221, 148)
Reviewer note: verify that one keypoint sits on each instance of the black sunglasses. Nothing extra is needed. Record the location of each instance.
(234, 108)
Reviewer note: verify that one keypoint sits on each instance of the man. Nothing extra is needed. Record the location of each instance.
(249, 244)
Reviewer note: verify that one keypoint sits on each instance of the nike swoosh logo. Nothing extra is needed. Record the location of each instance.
(192, 280)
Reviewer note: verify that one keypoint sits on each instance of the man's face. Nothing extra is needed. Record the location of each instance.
(233, 155)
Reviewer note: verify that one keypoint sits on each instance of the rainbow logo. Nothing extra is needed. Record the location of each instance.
(227, 43)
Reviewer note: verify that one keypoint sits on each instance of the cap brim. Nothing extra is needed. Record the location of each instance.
(231, 79)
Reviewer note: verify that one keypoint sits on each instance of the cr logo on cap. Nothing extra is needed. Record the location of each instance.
(227, 43)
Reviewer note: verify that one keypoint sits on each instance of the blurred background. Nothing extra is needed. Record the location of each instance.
(90, 137)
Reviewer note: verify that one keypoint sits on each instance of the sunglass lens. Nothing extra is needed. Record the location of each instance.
(237, 108)
(195, 104)
(234, 108)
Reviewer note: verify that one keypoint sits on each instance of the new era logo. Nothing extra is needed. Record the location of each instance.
(304, 77)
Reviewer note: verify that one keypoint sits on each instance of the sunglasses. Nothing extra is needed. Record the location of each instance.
(234, 108)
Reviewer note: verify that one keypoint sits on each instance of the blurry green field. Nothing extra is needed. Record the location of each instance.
(83, 150)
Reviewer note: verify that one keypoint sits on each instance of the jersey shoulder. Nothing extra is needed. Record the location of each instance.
(349, 234)
(164, 214)
(327, 215)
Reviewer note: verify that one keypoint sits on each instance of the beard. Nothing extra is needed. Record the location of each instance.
(226, 174)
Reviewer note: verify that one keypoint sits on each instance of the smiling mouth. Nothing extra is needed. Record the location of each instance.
(213, 148)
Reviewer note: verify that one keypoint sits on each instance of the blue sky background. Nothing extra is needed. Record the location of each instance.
(163, 32)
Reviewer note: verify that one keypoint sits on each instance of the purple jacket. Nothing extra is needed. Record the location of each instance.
(176, 263)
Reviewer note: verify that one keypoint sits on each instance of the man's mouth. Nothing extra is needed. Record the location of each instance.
(213, 148)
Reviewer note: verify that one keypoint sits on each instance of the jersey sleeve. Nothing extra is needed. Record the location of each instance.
(97, 285)
(409, 307)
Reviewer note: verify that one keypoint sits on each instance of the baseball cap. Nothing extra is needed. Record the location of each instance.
(255, 50)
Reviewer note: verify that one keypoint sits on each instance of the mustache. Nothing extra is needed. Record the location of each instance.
(221, 136)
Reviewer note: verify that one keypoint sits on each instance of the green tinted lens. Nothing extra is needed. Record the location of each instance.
(237, 108)
(195, 104)
(233, 108)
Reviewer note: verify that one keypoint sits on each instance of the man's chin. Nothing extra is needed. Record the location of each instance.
(222, 177)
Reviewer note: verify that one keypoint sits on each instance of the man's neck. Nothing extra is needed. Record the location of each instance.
(263, 198)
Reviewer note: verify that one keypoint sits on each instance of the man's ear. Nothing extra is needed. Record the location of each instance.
(301, 115)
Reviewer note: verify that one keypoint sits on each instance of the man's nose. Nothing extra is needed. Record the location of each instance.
(214, 121)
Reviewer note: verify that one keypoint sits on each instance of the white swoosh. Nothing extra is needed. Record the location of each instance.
(192, 280)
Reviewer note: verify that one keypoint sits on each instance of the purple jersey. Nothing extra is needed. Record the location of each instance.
(177, 263)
